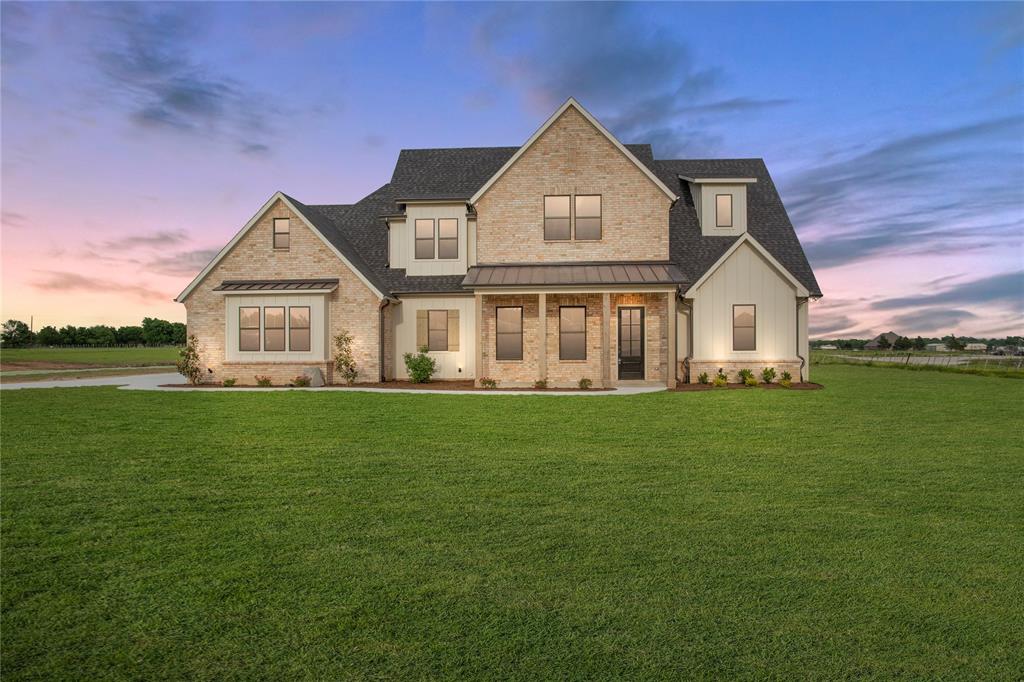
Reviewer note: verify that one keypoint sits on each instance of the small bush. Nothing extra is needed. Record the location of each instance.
(585, 384)
(785, 383)
(744, 374)
(488, 382)
(720, 380)
(420, 366)
(703, 378)
(228, 383)
(540, 384)
(301, 381)
(786, 376)
(768, 375)
(344, 361)
(263, 381)
(189, 365)
(750, 381)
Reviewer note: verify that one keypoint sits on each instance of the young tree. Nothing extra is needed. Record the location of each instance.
(189, 364)
(344, 360)
(16, 334)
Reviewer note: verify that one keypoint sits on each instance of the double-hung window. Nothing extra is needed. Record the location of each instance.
(273, 328)
(437, 330)
(588, 217)
(557, 223)
(298, 328)
(744, 327)
(424, 238)
(448, 238)
(282, 233)
(572, 333)
(249, 328)
(509, 336)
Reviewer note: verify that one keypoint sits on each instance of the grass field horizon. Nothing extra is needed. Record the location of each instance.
(868, 530)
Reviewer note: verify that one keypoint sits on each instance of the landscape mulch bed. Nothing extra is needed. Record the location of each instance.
(407, 385)
(801, 386)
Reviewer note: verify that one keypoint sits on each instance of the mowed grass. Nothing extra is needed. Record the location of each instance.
(108, 357)
(874, 529)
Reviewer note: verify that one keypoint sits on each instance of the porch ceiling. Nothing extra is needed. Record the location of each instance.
(572, 274)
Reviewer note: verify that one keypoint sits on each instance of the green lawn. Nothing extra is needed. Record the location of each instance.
(110, 357)
(874, 529)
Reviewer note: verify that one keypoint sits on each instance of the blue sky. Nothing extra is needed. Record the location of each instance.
(137, 138)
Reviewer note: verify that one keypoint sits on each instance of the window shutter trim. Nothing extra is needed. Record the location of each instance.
(421, 329)
(453, 330)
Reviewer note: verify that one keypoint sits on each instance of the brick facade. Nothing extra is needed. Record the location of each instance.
(353, 306)
(656, 332)
(572, 157)
(510, 372)
(568, 372)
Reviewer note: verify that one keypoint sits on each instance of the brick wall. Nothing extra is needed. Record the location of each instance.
(569, 372)
(572, 157)
(508, 372)
(352, 306)
(655, 328)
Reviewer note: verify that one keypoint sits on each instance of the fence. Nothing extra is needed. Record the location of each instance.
(973, 364)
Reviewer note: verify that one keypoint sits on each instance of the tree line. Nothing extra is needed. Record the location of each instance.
(952, 342)
(152, 332)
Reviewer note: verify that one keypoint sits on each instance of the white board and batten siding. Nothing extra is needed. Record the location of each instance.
(402, 240)
(746, 278)
(460, 364)
(318, 331)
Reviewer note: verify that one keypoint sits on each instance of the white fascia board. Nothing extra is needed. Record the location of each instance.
(801, 290)
(571, 102)
(719, 181)
(180, 298)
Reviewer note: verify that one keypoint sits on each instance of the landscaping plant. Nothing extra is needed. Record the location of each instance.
(750, 381)
(786, 380)
(702, 378)
(262, 381)
(302, 381)
(420, 366)
(488, 382)
(188, 363)
(768, 375)
(720, 380)
(744, 374)
(540, 384)
(585, 384)
(228, 383)
(344, 361)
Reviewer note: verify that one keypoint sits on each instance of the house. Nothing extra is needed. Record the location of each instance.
(573, 255)
(828, 346)
(936, 347)
(976, 347)
(874, 344)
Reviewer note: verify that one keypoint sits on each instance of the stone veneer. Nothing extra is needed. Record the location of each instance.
(353, 306)
(572, 157)
(732, 368)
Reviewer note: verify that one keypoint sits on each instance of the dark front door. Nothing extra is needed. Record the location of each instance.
(631, 343)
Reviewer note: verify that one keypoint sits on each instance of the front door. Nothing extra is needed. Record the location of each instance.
(631, 343)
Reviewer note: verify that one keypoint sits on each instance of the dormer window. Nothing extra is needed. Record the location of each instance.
(282, 233)
(424, 238)
(448, 238)
(723, 210)
(556, 218)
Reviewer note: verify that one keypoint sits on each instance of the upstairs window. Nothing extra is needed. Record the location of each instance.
(723, 210)
(282, 232)
(744, 328)
(448, 238)
(556, 218)
(424, 238)
(273, 328)
(588, 217)
(572, 333)
(249, 328)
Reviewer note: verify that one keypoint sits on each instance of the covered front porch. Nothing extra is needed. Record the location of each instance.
(613, 334)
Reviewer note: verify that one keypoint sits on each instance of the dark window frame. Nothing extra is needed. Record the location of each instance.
(447, 239)
(259, 334)
(599, 216)
(498, 335)
(308, 328)
(417, 239)
(562, 332)
(283, 328)
(544, 209)
(718, 223)
(430, 347)
(752, 326)
(287, 233)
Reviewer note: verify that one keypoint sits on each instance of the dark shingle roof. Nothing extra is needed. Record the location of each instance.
(357, 230)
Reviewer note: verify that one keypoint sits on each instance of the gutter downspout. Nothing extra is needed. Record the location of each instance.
(803, 360)
(384, 303)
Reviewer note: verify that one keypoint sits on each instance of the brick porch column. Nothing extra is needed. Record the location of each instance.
(542, 333)
(606, 350)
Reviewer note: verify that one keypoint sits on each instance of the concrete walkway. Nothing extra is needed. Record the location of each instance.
(151, 382)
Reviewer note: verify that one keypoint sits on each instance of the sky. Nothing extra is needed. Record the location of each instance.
(136, 139)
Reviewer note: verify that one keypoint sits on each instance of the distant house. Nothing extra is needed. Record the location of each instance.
(976, 346)
(828, 346)
(936, 347)
(874, 344)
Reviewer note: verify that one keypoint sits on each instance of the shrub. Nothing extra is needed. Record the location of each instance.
(768, 375)
(420, 366)
(344, 361)
(744, 374)
(585, 384)
(786, 376)
(188, 362)
(703, 378)
(785, 383)
(720, 380)
(540, 384)
(750, 381)
(302, 381)
(228, 383)
(488, 382)
(262, 380)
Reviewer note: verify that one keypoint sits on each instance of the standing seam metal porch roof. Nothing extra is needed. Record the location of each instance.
(313, 285)
(573, 274)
